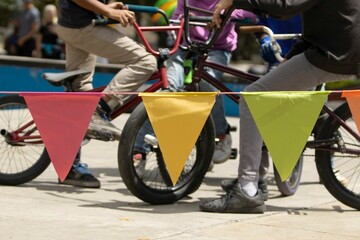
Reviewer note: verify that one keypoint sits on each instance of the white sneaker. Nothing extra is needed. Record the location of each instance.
(222, 150)
(139, 163)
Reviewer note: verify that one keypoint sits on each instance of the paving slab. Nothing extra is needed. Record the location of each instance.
(43, 209)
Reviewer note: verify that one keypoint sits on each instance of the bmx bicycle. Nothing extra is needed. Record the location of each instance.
(335, 139)
(24, 156)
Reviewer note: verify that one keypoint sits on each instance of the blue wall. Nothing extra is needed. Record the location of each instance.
(19, 74)
(22, 78)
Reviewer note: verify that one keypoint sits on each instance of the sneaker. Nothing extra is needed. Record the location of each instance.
(227, 185)
(80, 176)
(101, 128)
(262, 184)
(222, 150)
(235, 201)
(343, 180)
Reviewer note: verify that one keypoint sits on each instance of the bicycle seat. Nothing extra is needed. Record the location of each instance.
(58, 79)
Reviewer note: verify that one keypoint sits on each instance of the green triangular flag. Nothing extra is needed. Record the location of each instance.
(285, 121)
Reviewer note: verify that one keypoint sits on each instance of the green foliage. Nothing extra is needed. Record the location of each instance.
(8, 9)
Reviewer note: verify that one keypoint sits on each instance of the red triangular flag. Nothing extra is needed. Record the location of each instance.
(62, 120)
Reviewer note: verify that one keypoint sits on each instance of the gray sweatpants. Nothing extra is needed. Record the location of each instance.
(296, 74)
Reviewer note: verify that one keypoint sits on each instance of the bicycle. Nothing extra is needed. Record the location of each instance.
(291, 184)
(24, 156)
(135, 179)
(335, 143)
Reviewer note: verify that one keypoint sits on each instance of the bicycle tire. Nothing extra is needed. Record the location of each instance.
(152, 184)
(291, 184)
(24, 161)
(339, 170)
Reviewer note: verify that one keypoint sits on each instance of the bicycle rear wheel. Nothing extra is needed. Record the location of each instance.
(23, 156)
(339, 169)
(147, 178)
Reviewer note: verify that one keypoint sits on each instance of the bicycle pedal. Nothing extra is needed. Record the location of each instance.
(233, 128)
(102, 136)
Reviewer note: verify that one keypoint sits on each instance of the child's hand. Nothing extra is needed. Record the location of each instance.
(123, 16)
(210, 25)
(118, 5)
(220, 6)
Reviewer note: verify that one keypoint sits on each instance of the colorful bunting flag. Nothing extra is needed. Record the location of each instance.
(353, 99)
(177, 119)
(62, 120)
(285, 121)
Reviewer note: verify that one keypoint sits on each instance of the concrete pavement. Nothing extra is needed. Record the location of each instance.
(43, 209)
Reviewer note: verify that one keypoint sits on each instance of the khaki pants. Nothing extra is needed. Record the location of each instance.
(83, 45)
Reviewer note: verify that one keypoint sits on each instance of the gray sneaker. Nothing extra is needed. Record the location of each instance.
(235, 201)
(101, 128)
(227, 185)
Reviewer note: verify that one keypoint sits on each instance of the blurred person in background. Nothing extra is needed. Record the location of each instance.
(28, 22)
(48, 44)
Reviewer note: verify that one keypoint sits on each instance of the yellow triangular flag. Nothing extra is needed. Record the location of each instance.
(177, 119)
(285, 121)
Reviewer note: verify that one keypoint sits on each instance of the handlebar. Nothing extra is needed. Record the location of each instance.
(202, 20)
(213, 35)
(273, 37)
(247, 26)
(148, 9)
(135, 8)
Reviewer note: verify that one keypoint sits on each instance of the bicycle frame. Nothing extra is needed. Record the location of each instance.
(160, 77)
(162, 54)
(200, 49)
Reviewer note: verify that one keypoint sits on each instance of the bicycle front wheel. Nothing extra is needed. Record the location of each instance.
(23, 156)
(143, 169)
(291, 184)
(339, 169)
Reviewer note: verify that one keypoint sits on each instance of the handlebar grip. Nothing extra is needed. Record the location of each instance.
(101, 22)
(135, 8)
(201, 18)
(145, 9)
(251, 29)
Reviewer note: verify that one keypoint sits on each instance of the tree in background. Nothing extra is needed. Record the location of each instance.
(7, 8)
